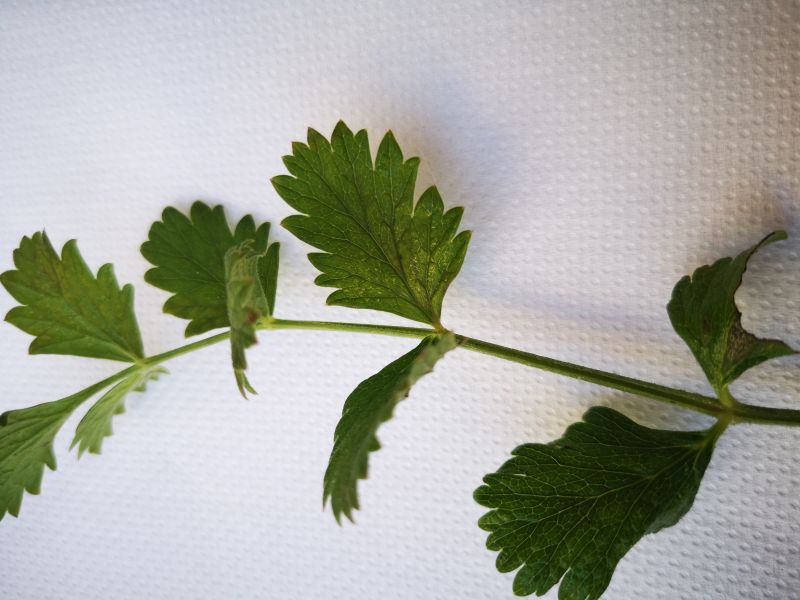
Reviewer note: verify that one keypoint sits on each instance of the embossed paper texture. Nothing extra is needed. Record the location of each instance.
(601, 150)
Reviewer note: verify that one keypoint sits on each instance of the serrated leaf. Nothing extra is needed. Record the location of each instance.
(189, 258)
(571, 509)
(379, 250)
(703, 312)
(67, 308)
(96, 423)
(371, 404)
(26, 446)
(247, 303)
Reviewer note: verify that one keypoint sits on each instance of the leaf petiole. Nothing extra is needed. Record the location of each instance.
(157, 359)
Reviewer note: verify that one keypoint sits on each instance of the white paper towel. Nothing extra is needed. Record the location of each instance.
(601, 150)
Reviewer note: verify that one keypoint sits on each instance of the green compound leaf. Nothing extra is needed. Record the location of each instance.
(574, 507)
(247, 302)
(704, 313)
(26, 446)
(189, 258)
(378, 249)
(96, 423)
(66, 308)
(370, 404)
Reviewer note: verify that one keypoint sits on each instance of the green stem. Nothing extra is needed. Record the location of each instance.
(731, 410)
(165, 356)
(86, 393)
(736, 411)
(697, 402)
(747, 413)
(410, 332)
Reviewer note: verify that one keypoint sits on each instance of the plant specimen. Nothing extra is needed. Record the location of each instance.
(565, 512)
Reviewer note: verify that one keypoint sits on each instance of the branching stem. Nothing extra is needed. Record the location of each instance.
(731, 410)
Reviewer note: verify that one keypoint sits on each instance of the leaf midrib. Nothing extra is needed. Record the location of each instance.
(344, 212)
(524, 522)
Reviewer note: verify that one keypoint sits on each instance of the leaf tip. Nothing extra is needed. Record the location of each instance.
(243, 384)
(345, 511)
(778, 235)
(199, 206)
(341, 129)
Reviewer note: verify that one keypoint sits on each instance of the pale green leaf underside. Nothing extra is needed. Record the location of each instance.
(247, 303)
(703, 312)
(26, 446)
(95, 425)
(569, 511)
(378, 249)
(370, 404)
(189, 258)
(67, 308)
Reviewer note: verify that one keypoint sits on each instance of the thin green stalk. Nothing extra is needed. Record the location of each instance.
(732, 410)
(747, 413)
(697, 402)
(107, 382)
(165, 356)
(412, 332)
(739, 412)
